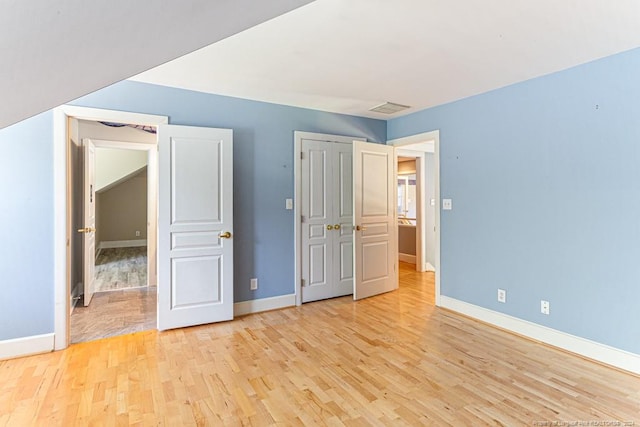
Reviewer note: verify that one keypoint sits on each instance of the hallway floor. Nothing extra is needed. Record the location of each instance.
(121, 268)
(125, 304)
(115, 313)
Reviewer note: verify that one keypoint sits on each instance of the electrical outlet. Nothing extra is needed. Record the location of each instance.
(137, 233)
(544, 307)
(254, 284)
(502, 295)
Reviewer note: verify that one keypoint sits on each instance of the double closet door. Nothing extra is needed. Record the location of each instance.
(327, 219)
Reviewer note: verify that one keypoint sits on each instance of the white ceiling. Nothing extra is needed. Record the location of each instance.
(55, 51)
(348, 56)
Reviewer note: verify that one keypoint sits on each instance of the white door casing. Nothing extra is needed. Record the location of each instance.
(195, 226)
(376, 234)
(327, 219)
(89, 213)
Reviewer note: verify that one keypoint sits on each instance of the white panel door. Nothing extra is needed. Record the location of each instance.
(195, 226)
(89, 229)
(343, 219)
(317, 220)
(327, 220)
(375, 238)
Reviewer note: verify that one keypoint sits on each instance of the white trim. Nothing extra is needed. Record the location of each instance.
(581, 346)
(425, 141)
(60, 140)
(421, 141)
(263, 304)
(108, 244)
(60, 280)
(411, 259)
(26, 346)
(298, 136)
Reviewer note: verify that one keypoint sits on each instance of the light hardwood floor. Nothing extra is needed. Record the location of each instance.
(393, 359)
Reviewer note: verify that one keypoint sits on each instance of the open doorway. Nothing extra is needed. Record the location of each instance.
(418, 186)
(113, 288)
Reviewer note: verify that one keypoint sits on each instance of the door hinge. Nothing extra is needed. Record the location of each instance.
(302, 219)
(301, 155)
(302, 282)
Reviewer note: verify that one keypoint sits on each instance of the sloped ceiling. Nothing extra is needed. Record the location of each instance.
(349, 56)
(54, 51)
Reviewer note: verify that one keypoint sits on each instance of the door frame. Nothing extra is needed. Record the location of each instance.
(61, 228)
(427, 142)
(298, 136)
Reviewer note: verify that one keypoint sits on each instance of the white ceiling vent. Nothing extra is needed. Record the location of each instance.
(389, 108)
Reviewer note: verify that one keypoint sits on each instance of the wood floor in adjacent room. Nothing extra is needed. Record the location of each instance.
(393, 359)
(122, 303)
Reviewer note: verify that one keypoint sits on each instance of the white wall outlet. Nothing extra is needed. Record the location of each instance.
(137, 233)
(544, 307)
(502, 295)
(288, 204)
(447, 204)
(254, 284)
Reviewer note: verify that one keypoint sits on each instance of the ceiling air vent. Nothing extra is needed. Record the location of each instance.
(389, 108)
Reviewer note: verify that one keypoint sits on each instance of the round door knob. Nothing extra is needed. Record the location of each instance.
(336, 227)
(225, 235)
(329, 227)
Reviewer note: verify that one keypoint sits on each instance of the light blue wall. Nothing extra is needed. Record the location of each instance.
(545, 181)
(26, 228)
(263, 179)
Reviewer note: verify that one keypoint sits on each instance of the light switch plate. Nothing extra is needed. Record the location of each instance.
(288, 204)
(446, 204)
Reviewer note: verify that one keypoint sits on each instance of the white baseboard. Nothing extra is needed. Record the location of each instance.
(590, 349)
(26, 346)
(263, 304)
(429, 267)
(411, 259)
(122, 244)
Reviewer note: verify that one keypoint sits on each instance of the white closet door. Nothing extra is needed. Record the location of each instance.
(376, 238)
(195, 226)
(343, 219)
(317, 220)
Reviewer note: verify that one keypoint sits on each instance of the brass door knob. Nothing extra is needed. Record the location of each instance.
(225, 235)
(359, 228)
(329, 227)
(336, 227)
(86, 230)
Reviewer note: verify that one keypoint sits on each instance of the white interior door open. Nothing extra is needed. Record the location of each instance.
(376, 233)
(195, 226)
(89, 213)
